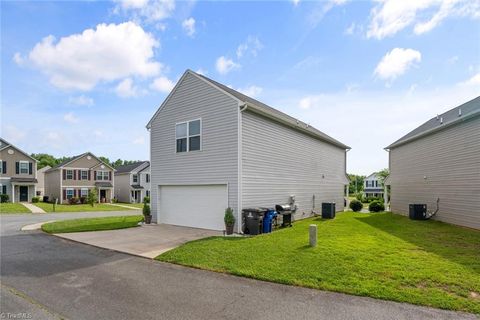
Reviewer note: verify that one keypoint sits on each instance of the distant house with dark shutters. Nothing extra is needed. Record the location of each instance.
(132, 182)
(18, 173)
(76, 176)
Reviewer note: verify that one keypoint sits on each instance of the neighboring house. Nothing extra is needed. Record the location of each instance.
(372, 186)
(76, 176)
(440, 160)
(18, 171)
(132, 182)
(41, 181)
(212, 147)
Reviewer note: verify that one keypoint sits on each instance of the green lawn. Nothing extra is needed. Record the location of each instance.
(48, 207)
(381, 255)
(136, 205)
(10, 208)
(92, 224)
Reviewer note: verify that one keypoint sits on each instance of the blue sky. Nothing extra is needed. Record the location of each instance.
(80, 76)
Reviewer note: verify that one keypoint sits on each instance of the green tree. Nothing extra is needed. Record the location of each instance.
(356, 183)
(45, 159)
(92, 197)
(382, 174)
(106, 160)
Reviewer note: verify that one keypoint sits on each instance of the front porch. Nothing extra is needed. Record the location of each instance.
(105, 192)
(23, 189)
(136, 194)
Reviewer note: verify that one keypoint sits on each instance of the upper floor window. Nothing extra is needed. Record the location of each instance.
(135, 178)
(69, 175)
(147, 178)
(102, 175)
(3, 166)
(84, 175)
(23, 167)
(188, 136)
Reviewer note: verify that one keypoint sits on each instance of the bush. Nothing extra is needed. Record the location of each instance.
(73, 200)
(35, 199)
(359, 196)
(146, 199)
(92, 197)
(83, 200)
(229, 218)
(4, 198)
(146, 209)
(370, 199)
(376, 206)
(114, 200)
(356, 205)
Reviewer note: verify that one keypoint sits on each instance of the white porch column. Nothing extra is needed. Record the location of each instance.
(347, 197)
(385, 195)
(13, 193)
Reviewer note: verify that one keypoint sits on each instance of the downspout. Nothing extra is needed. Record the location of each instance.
(241, 108)
(348, 182)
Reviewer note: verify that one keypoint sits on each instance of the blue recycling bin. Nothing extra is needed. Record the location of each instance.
(268, 220)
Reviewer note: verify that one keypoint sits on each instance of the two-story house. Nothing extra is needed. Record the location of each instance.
(132, 182)
(76, 176)
(372, 186)
(18, 173)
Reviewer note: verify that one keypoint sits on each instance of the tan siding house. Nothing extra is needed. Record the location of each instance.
(213, 147)
(18, 173)
(440, 160)
(75, 177)
(41, 181)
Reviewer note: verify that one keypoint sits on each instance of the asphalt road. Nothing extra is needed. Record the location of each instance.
(44, 277)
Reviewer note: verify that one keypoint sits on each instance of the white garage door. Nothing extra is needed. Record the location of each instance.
(198, 206)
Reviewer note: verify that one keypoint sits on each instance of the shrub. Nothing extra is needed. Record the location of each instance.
(376, 206)
(359, 196)
(146, 209)
(146, 199)
(92, 197)
(229, 218)
(83, 200)
(35, 199)
(114, 200)
(356, 205)
(73, 200)
(4, 198)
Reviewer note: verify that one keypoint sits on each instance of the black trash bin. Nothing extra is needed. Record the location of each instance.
(328, 210)
(253, 220)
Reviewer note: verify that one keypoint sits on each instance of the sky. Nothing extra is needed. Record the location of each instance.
(88, 76)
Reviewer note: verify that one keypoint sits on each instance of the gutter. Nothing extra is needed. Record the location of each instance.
(430, 131)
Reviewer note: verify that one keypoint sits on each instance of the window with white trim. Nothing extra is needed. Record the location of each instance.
(1, 166)
(23, 167)
(84, 174)
(69, 193)
(102, 175)
(188, 136)
(69, 175)
(147, 177)
(135, 178)
(84, 192)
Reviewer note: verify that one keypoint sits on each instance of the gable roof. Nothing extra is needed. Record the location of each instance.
(5, 144)
(259, 107)
(451, 117)
(126, 168)
(71, 159)
(373, 174)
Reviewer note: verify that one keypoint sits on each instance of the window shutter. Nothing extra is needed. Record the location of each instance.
(79, 193)
(89, 176)
(4, 167)
(64, 194)
(17, 167)
(110, 175)
(79, 174)
(74, 192)
(74, 174)
(30, 168)
(4, 189)
(94, 175)
(64, 174)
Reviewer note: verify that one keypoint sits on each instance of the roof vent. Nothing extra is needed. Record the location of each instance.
(438, 117)
(460, 112)
(441, 120)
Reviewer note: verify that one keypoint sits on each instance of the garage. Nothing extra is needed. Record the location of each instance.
(198, 206)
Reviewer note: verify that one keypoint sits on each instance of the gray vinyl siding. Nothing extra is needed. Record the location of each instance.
(450, 161)
(278, 161)
(217, 162)
(122, 187)
(52, 184)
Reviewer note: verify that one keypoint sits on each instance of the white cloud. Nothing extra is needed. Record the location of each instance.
(18, 59)
(56, 140)
(81, 100)
(139, 140)
(295, 2)
(473, 81)
(70, 118)
(126, 89)
(396, 62)
(162, 84)
(202, 71)
(107, 53)
(188, 26)
(225, 65)
(150, 10)
(13, 134)
(390, 16)
(252, 45)
(251, 91)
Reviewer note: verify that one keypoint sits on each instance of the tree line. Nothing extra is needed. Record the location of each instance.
(45, 159)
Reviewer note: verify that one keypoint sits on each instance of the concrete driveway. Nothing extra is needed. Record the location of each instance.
(146, 241)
